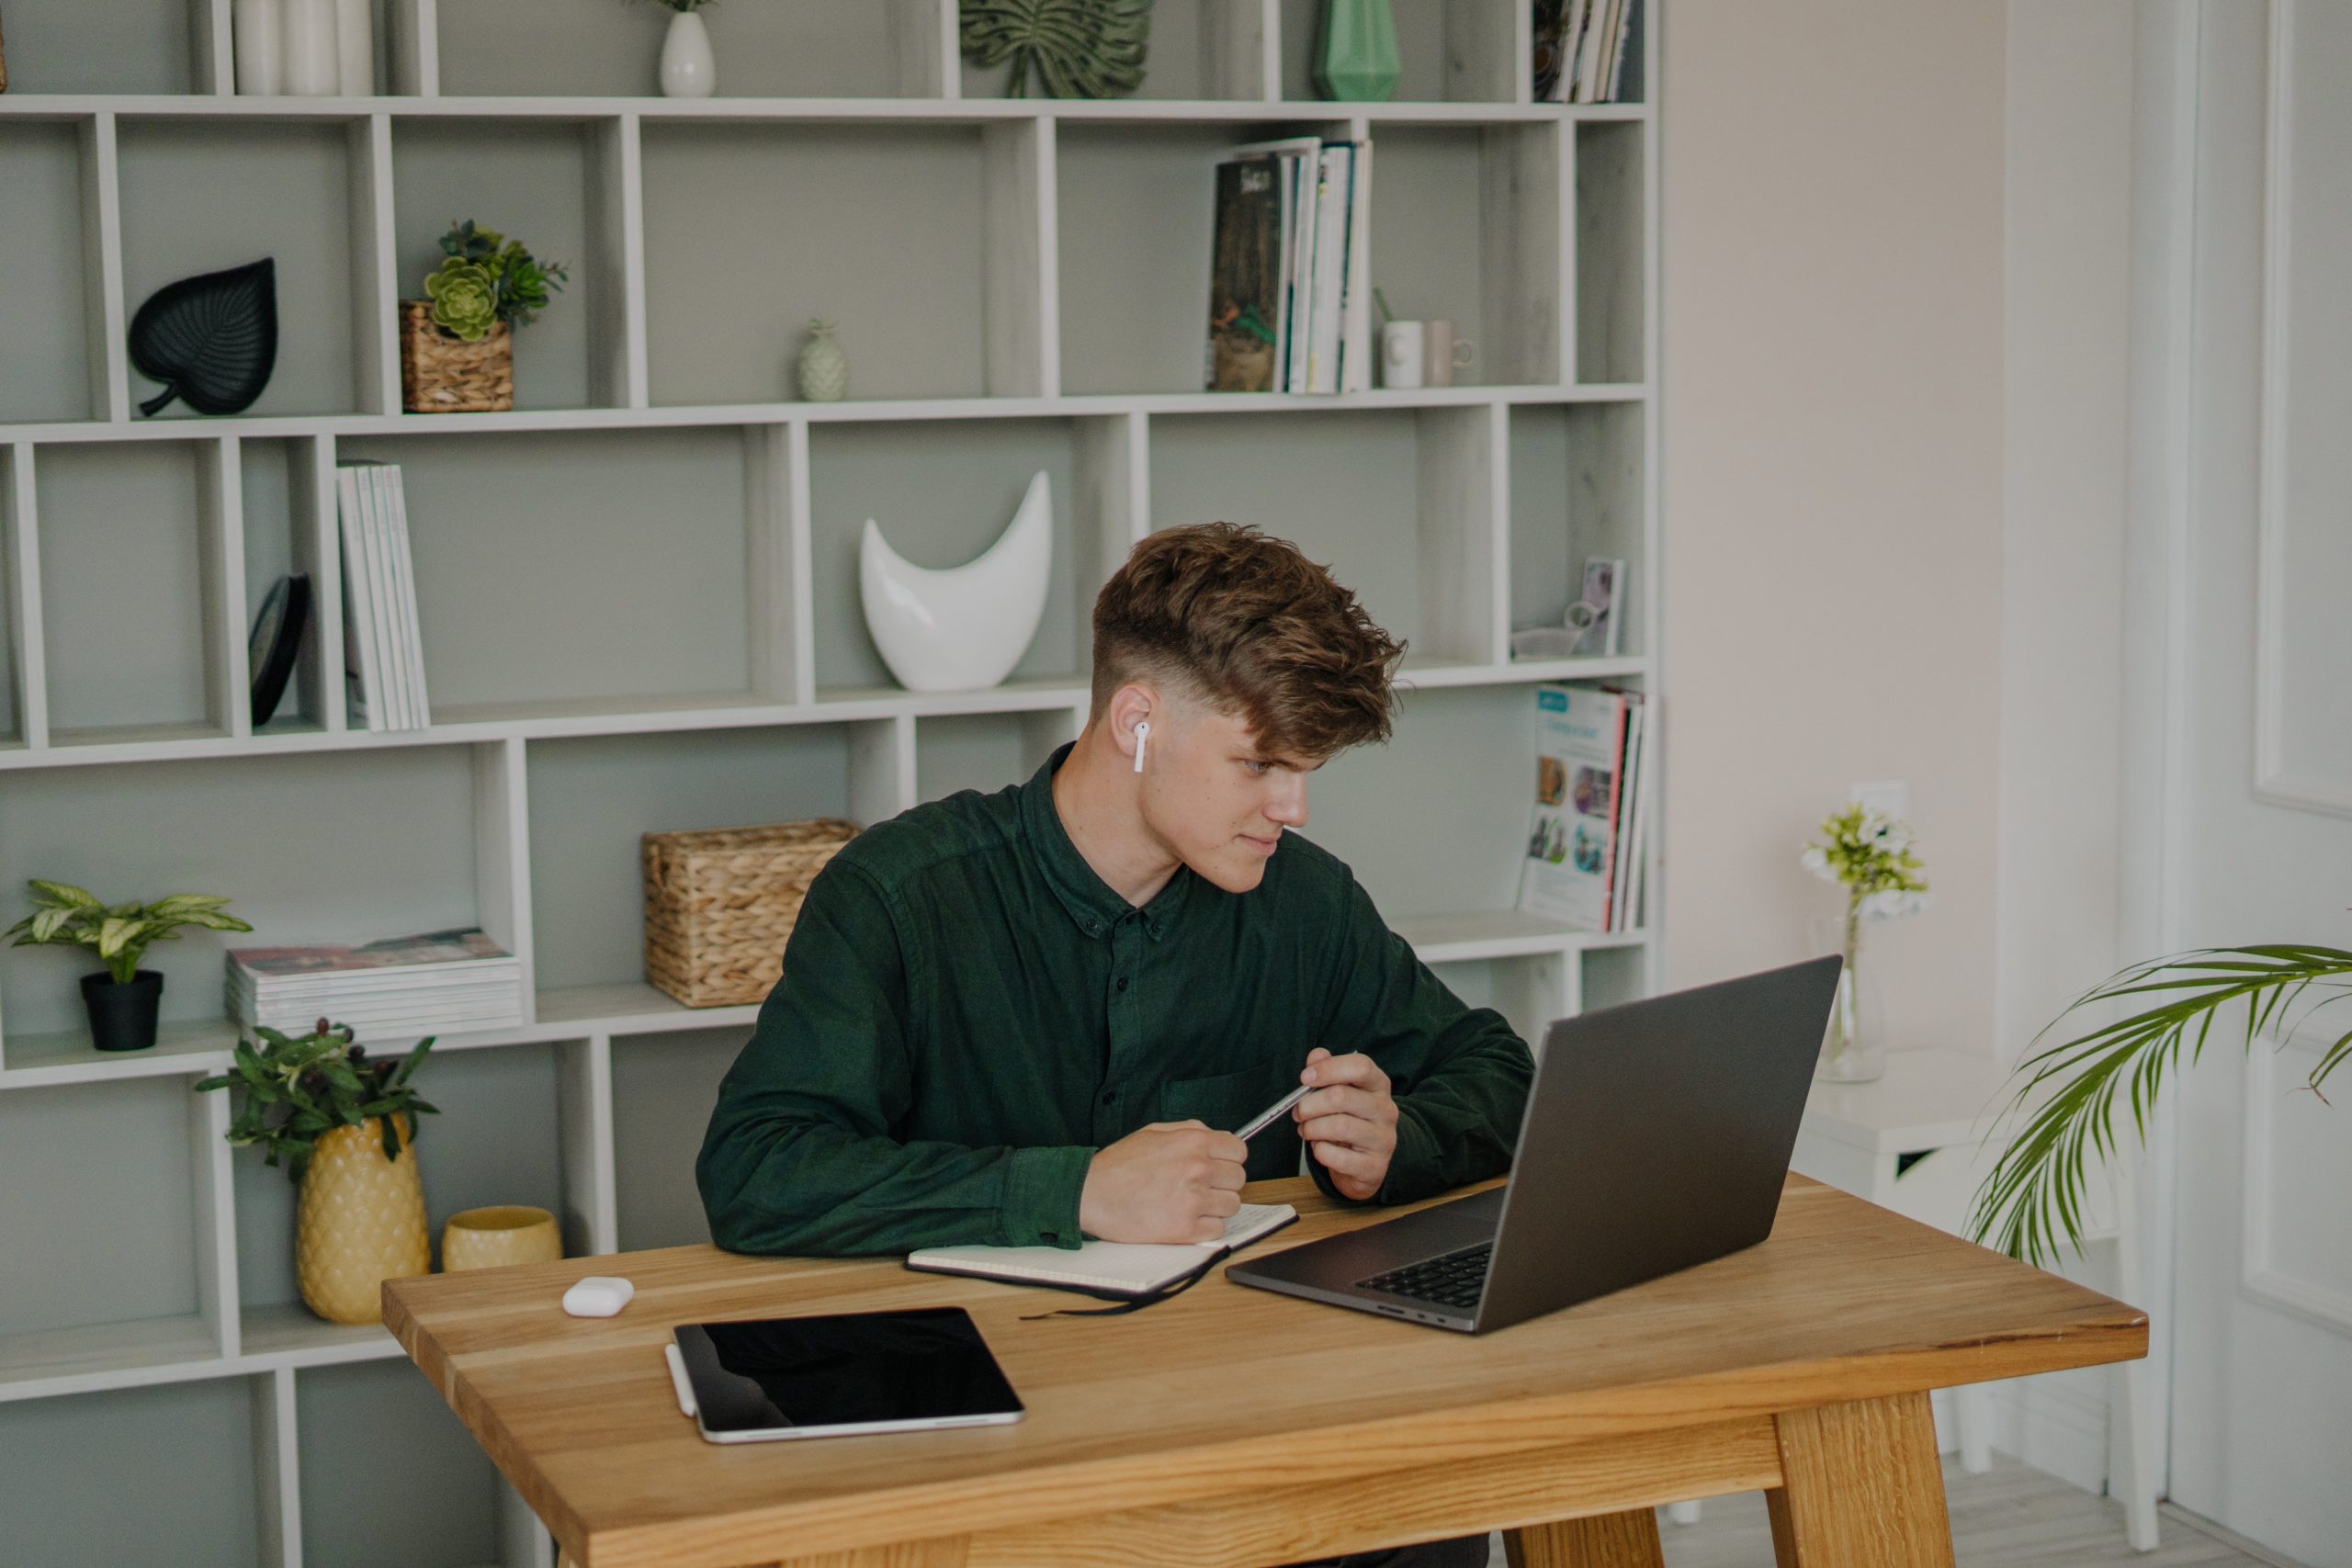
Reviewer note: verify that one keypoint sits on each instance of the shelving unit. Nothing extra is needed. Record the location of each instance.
(638, 601)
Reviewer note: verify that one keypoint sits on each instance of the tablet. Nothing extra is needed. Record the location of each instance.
(838, 1376)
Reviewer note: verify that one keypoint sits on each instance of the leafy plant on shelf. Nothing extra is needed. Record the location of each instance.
(486, 278)
(2031, 1204)
(297, 1089)
(67, 916)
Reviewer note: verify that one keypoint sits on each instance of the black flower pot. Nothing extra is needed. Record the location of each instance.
(122, 1017)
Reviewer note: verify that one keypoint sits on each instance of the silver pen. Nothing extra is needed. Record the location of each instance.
(1265, 1118)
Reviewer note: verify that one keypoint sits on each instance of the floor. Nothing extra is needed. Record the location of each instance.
(2011, 1517)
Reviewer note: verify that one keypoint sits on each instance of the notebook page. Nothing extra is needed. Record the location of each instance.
(1103, 1265)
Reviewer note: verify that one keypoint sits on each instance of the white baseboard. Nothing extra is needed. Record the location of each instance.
(2056, 1423)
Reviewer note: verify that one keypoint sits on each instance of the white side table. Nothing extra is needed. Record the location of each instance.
(1913, 1141)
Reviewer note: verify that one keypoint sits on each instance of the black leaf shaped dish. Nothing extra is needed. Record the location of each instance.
(211, 339)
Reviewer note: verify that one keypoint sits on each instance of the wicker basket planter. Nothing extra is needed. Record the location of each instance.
(720, 901)
(444, 374)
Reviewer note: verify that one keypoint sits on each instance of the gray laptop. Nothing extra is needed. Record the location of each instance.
(1657, 1137)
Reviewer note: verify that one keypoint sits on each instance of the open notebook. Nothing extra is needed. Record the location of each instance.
(1121, 1270)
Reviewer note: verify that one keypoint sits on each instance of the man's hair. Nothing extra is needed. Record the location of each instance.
(1252, 626)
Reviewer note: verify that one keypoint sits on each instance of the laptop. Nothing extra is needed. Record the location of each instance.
(1657, 1137)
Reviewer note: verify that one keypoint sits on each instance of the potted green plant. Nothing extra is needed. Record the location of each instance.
(2031, 1203)
(457, 343)
(122, 998)
(341, 1125)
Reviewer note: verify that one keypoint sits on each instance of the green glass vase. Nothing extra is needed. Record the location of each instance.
(1357, 61)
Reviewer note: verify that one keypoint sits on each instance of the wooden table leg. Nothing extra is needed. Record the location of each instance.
(1861, 1487)
(1605, 1541)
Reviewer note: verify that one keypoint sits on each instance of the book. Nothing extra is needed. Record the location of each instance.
(1625, 864)
(1121, 1270)
(1246, 275)
(1331, 266)
(379, 588)
(405, 619)
(1356, 303)
(453, 978)
(361, 673)
(1571, 844)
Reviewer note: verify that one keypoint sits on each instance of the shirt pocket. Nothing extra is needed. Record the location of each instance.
(1227, 1101)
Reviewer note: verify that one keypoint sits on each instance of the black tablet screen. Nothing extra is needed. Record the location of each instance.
(922, 1365)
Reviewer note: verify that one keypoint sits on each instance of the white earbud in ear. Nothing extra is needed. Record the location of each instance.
(1143, 733)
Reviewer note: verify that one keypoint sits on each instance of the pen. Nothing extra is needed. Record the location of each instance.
(1265, 1118)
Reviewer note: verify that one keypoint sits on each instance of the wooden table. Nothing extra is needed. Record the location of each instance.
(1234, 1427)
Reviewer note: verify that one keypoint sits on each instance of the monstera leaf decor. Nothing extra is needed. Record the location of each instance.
(1082, 49)
(211, 339)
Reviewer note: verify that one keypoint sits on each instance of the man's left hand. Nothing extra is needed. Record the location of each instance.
(1349, 1120)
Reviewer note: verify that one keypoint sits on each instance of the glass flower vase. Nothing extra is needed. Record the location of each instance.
(1853, 1048)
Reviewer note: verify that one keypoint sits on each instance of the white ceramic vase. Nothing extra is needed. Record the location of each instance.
(962, 629)
(313, 66)
(260, 49)
(687, 69)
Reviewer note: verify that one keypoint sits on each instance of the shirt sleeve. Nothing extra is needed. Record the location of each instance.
(1459, 1075)
(800, 1155)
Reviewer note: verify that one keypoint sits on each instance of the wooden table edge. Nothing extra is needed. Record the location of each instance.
(1048, 1493)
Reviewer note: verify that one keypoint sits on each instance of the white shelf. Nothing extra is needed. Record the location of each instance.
(1502, 933)
(877, 412)
(818, 111)
(1549, 218)
(553, 720)
(201, 1047)
(113, 1355)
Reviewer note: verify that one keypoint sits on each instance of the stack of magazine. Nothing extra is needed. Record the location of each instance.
(383, 657)
(434, 981)
(1581, 48)
(1290, 287)
(1584, 850)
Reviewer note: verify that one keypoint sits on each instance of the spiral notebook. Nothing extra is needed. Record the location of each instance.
(1120, 1270)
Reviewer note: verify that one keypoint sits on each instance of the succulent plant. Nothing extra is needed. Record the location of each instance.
(465, 299)
(485, 278)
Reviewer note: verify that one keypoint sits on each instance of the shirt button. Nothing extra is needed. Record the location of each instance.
(1109, 1094)
(1123, 982)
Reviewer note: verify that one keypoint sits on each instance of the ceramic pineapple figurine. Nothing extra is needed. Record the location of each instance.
(360, 1222)
(824, 368)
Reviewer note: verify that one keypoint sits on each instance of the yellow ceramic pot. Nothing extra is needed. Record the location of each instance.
(360, 1222)
(492, 1238)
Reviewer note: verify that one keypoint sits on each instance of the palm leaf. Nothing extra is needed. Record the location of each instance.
(2031, 1203)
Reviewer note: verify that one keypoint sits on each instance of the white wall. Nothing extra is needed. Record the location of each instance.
(1897, 256)
(1832, 252)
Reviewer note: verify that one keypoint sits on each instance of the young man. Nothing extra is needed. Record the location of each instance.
(1031, 1018)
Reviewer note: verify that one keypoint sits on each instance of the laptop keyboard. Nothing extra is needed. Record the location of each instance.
(1455, 1280)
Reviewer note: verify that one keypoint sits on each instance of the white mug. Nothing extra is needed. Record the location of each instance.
(1444, 354)
(1401, 345)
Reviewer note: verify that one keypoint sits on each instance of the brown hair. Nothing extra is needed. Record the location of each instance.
(1254, 627)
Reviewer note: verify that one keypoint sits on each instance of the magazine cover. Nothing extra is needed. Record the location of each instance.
(466, 944)
(1579, 751)
(1246, 280)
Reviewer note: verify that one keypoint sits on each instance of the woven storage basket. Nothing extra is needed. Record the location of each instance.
(442, 374)
(720, 901)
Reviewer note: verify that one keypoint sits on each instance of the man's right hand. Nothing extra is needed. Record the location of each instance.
(1173, 1181)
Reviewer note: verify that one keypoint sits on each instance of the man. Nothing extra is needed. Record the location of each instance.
(1030, 1018)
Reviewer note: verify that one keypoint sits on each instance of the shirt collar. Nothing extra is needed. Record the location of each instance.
(1090, 901)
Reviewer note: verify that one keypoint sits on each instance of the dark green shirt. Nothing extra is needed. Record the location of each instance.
(969, 1013)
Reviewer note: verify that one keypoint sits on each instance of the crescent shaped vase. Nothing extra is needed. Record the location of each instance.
(964, 628)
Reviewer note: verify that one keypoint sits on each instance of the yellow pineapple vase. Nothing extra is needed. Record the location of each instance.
(359, 1222)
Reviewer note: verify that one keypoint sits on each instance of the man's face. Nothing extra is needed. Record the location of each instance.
(1216, 799)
